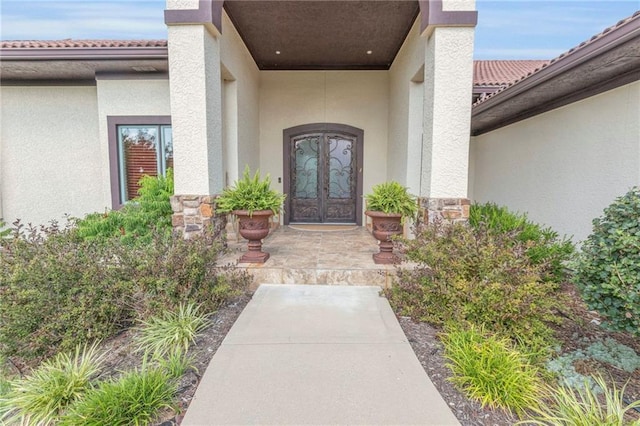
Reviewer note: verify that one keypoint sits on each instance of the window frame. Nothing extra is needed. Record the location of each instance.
(113, 122)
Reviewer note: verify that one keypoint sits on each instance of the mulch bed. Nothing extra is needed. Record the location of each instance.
(579, 328)
(122, 356)
(429, 350)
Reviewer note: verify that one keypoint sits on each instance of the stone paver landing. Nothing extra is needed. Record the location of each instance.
(315, 257)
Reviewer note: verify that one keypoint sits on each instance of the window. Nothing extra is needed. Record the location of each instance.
(142, 150)
(138, 146)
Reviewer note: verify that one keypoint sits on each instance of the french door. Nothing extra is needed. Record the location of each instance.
(324, 174)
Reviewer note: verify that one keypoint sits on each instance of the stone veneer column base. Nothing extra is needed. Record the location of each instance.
(195, 215)
(452, 210)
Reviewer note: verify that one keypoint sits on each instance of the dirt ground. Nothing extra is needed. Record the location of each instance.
(578, 323)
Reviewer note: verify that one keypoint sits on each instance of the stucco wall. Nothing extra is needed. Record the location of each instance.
(355, 98)
(126, 97)
(240, 68)
(51, 153)
(406, 111)
(565, 166)
(55, 150)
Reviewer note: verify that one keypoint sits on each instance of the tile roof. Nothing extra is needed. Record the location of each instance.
(563, 57)
(70, 43)
(501, 73)
(486, 73)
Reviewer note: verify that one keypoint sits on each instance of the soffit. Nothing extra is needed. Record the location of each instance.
(81, 70)
(317, 35)
(76, 60)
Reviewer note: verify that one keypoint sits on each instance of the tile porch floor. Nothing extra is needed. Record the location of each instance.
(335, 257)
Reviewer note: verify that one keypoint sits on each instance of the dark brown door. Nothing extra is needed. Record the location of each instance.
(323, 177)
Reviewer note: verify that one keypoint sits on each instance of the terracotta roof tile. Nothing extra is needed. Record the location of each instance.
(70, 43)
(501, 73)
(572, 51)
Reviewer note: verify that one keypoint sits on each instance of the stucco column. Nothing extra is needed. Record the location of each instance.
(448, 81)
(196, 110)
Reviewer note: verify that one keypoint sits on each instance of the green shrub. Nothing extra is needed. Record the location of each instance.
(175, 362)
(57, 383)
(159, 335)
(251, 194)
(137, 220)
(5, 388)
(608, 269)
(477, 276)
(583, 408)
(134, 399)
(391, 197)
(8, 372)
(58, 290)
(173, 270)
(488, 368)
(4, 230)
(543, 245)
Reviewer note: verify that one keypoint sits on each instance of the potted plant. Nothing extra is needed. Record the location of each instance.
(253, 202)
(387, 206)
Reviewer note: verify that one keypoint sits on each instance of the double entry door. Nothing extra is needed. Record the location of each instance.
(324, 177)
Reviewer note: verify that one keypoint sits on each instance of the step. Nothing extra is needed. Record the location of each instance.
(379, 275)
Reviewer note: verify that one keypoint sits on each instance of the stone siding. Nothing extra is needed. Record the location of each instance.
(195, 215)
(451, 210)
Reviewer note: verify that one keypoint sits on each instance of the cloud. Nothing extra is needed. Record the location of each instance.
(543, 18)
(75, 19)
(542, 29)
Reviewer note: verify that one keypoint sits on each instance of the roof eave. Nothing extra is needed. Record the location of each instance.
(609, 41)
(83, 53)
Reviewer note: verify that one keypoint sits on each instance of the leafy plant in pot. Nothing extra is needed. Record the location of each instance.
(388, 205)
(253, 201)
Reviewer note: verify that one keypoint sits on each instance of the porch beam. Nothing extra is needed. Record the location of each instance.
(205, 12)
(434, 13)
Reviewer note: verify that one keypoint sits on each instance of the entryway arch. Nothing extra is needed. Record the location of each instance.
(323, 173)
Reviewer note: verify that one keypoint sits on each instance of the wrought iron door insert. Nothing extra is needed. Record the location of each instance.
(323, 179)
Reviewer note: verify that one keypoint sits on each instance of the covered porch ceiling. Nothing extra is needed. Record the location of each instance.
(323, 35)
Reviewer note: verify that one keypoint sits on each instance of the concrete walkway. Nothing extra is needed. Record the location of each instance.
(321, 355)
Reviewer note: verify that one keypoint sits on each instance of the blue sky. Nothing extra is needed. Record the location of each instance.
(507, 29)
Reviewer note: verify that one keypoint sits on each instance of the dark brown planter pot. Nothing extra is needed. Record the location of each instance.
(254, 228)
(385, 226)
